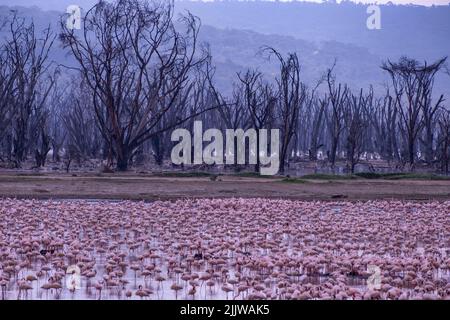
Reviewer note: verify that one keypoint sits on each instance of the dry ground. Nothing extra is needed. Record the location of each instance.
(148, 187)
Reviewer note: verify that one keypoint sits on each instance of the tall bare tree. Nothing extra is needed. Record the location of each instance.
(136, 64)
(319, 106)
(28, 53)
(291, 98)
(338, 95)
(412, 84)
(355, 119)
(443, 145)
(259, 98)
(429, 108)
(83, 139)
(233, 113)
(7, 78)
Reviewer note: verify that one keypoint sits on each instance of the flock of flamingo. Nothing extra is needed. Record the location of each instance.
(224, 249)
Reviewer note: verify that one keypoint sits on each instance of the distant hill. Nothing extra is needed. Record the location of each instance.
(318, 33)
(406, 29)
(416, 30)
(234, 50)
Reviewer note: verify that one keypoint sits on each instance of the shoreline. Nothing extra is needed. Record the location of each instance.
(151, 188)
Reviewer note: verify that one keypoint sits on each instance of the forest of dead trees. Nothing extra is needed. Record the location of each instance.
(139, 73)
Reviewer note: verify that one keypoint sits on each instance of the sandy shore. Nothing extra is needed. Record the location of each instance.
(148, 187)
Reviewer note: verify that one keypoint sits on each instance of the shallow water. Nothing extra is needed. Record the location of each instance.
(275, 249)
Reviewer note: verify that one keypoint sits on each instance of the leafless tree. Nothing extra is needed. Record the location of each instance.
(83, 139)
(443, 145)
(355, 119)
(429, 108)
(259, 98)
(28, 53)
(233, 113)
(140, 72)
(382, 115)
(291, 98)
(412, 84)
(7, 78)
(319, 106)
(194, 98)
(338, 97)
(136, 64)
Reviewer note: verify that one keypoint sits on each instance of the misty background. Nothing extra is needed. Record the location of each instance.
(341, 94)
(319, 33)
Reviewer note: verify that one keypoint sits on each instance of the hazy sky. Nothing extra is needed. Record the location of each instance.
(421, 2)
(61, 4)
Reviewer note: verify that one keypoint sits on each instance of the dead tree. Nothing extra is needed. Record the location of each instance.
(7, 79)
(136, 64)
(412, 83)
(259, 98)
(355, 120)
(56, 108)
(319, 106)
(443, 144)
(429, 108)
(338, 98)
(232, 112)
(291, 97)
(83, 139)
(194, 98)
(42, 141)
(382, 114)
(28, 55)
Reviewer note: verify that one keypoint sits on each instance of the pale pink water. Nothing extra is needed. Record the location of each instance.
(274, 249)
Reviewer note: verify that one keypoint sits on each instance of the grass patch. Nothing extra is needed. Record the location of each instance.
(401, 176)
(293, 180)
(417, 176)
(376, 176)
(321, 176)
(29, 174)
(192, 174)
(250, 174)
(373, 175)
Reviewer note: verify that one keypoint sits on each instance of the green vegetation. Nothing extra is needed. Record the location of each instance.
(376, 176)
(322, 176)
(177, 174)
(200, 174)
(293, 180)
(317, 176)
(401, 176)
(250, 174)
